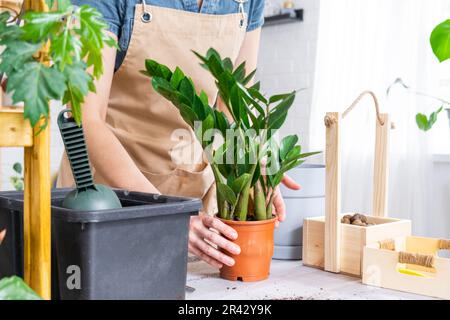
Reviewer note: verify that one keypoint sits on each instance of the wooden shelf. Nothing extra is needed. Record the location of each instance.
(296, 16)
(15, 131)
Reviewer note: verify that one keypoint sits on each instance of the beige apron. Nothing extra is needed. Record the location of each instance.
(150, 128)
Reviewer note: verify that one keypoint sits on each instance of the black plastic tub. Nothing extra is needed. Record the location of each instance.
(137, 252)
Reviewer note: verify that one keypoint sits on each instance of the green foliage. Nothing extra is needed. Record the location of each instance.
(440, 41)
(425, 123)
(14, 288)
(17, 180)
(77, 36)
(249, 138)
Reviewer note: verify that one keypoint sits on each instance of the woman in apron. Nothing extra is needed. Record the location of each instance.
(134, 134)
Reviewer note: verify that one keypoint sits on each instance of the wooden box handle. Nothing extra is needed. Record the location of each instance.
(333, 177)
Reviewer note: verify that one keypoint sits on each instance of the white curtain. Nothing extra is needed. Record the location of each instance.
(366, 45)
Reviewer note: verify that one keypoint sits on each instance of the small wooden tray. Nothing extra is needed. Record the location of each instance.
(402, 268)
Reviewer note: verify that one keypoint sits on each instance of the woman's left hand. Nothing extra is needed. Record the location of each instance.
(278, 201)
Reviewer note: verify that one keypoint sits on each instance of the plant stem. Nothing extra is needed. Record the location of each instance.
(260, 202)
(269, 209)
(221, 203)
(241, 209)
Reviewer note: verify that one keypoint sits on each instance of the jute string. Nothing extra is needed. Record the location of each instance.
(444, 244)
(425, 260)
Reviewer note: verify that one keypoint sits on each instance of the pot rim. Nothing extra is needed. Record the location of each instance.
(252, 223)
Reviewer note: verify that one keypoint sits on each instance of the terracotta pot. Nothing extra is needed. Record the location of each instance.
(256, 241)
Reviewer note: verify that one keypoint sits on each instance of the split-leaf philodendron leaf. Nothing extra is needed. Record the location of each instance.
(76, 35)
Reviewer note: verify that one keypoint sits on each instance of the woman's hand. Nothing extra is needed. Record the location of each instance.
(278, 201)
(203, 227)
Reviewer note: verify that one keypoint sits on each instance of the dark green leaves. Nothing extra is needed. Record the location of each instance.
(76, 34)
(236, 162)
(287, 144)
(78, 84)
(440, 41)
(227, 193)
(35, 84)
(425, 123)
(93, 36)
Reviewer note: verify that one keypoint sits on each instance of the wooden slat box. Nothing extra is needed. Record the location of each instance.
(353, 240)
(386, 268)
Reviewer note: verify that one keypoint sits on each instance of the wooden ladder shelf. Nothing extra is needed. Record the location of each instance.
(15, 131)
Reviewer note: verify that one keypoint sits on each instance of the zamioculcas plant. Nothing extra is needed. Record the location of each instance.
(249, 164)
(247, 161)
(76, 36)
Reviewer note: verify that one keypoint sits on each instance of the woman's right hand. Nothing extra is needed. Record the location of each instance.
(202, 227)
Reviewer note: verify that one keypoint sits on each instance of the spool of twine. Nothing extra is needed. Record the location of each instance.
(388, 244)
(425, 260)
(444, 244)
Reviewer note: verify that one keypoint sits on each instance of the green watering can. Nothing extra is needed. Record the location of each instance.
(87, 196)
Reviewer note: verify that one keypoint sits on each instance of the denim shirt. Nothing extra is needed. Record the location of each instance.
(119, 14)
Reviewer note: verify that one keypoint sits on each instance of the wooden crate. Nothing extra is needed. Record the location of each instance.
(353, 240)
(337, 247)
(393, 269)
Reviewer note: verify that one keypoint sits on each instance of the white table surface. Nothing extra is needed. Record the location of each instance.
(288, 280)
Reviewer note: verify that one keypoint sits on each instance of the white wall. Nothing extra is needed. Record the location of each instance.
(287, 62)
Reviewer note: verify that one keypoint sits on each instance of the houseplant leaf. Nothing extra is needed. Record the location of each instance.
(35, 85)
(287, 143)
(16, 54)
(14, 288)
(227, 193)
(78, 83)
(239, 183)
(425, 123)
(440, 41)
(39, 26)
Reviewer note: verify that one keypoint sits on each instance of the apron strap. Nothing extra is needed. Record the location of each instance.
(242, 12)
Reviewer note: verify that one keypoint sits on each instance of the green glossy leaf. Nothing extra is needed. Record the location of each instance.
(239, 183)
(35, 85)
(204, 97)
(14, 288)
(65, 48)
(287, 144)
(199, 108)
(440, 41)
(249, 78)
(278, 97)
(16, 54)
(279, 113)
(93, 36)
(239, 73)
(227, 64)
(221, 122)
(257, 95)
(187, 89)
(79, 83)
(425, 123)
(176, 78)
(39, 26)
(227, 193)
(188, 115)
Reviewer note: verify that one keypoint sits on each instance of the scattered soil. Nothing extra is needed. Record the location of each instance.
(356, 219)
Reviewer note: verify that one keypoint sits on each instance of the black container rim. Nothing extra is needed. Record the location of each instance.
(168, 205)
